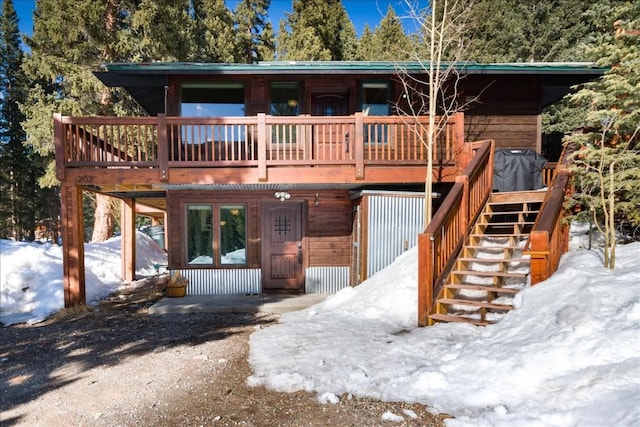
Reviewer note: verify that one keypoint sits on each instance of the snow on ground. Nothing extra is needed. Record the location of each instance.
(568, 356)
(31, 275)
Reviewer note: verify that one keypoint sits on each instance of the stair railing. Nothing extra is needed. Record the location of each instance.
(549, 237)
(445, 234)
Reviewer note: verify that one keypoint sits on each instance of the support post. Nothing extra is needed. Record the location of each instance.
(72, 245)
(358, 144)
(163, 148)
(425, 277)
(262, 147)
(539, 256)
(128, 239)
(58, 138)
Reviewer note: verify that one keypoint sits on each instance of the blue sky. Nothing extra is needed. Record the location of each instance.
(361, 12)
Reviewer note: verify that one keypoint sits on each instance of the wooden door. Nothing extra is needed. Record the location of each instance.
(282, 246)
(330, 141)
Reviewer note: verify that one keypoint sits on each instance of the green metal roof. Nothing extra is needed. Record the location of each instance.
(347, 67)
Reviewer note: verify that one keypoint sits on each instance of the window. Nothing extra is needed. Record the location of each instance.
(375, 102)
(199, 234)
(233, 235)
(284, 98)
(212, 99)
(228, 246)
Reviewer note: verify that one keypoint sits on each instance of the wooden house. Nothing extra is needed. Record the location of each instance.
(264, 175)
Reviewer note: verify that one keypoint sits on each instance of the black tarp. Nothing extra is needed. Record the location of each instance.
(517, 170)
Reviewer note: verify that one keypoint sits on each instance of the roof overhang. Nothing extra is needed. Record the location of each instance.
(147, 82)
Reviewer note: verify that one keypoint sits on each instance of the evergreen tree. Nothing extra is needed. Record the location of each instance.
(607, 165)
(390, 42)
(365, 50)
(316, 30)
(218, 36)
(255, 34)
(523, 31)
(162, 30)
(22, 202)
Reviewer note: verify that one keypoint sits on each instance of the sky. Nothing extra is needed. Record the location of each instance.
(568, 355)
(360, 12)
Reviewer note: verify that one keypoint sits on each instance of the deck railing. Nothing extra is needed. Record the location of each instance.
(260, 141)
(444, 236)
(549, 237)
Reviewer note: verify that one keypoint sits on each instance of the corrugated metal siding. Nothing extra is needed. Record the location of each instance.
(326, 280)
(223, 281)
(392, 221)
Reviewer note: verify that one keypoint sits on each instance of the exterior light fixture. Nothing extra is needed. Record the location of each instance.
(282, 195)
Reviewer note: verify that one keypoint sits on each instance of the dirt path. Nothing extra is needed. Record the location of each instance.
(116, 365)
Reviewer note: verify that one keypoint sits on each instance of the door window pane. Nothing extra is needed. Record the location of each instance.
(199, 234)
(233, 234)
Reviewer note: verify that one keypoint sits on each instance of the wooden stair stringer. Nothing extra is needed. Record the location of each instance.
(479, 288)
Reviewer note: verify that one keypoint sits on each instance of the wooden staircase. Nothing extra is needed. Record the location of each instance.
(490, 268)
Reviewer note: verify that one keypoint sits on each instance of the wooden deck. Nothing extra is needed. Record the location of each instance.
(251, 150)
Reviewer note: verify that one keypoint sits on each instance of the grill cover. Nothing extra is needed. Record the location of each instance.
(517, 170)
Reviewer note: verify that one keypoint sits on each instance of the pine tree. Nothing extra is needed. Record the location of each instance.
(162, 30)
(607, 164)
(216, 34)
(22, 202)
(255, 34)
(390, 42)
(316, 30)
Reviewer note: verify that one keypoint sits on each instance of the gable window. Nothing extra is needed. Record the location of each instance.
(224, 248)
(375, 96)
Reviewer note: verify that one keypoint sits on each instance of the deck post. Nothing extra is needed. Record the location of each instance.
(163, 148)
(128, 239)
(465, 205)
(262, 146)
(358, 143)
(58, 138)
(425, 277)
(72, 245)
(539, 256)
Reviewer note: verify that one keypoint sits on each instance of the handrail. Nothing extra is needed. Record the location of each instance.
(444, 236)
(258, 141)
(549, 237)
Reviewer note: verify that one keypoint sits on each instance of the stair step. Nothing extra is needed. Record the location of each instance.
(511, 213)
(480, 304)
(488, 273)
(496, 260)
(496, 289)
(449, 318)
(491, 235)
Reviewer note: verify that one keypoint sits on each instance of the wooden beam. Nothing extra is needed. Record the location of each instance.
(128, 241)
(72, 246)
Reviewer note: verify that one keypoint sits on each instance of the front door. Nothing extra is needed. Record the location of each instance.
(331, 142)
(282, 246)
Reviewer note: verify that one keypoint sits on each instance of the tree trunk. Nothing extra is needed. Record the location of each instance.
(103, 219)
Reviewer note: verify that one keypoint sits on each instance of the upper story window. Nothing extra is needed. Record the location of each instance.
(375, 98)
(375, 102)
(285, 98)
(209, 99)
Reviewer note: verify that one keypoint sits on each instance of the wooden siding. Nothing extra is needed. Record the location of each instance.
(328, 240)
(508, 131)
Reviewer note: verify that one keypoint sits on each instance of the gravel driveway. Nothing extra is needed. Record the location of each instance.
(116, 365)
